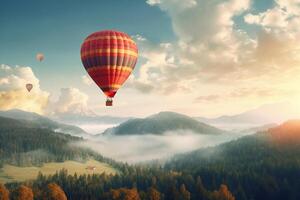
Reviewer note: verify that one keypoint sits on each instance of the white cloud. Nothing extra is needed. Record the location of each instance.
(174, 4)
(252, 19)
(153, 2)
(213, 55)
(208, 46)
(71, 100)
(13, 93)
(282, 19)
(139, 37)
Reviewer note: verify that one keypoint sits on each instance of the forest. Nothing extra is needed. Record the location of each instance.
(24, 144)
(252, 167)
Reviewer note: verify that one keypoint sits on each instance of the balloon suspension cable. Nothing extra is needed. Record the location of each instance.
(109, 101)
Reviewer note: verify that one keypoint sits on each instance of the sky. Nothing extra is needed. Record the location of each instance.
(198, 57)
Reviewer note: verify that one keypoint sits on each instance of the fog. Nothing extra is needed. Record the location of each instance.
(95, 128)
(139, 148)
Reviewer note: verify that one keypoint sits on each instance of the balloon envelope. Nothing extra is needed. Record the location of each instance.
(40, 57)
(109, 58)
(29, 87)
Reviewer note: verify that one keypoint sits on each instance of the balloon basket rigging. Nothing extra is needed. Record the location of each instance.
(109, 102)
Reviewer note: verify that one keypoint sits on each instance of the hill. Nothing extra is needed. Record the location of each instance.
(24, 143)
(161, 123)
(286, 133)
(257, 167)
(44, 122)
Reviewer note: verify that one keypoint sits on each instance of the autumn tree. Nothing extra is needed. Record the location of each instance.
(125, 194)
(153, 194)
(24, 193)
(4, 193)
(54, 192)
(222, 194)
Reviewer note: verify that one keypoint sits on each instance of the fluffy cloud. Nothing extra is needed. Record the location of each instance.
(282, 18)
(13, 93)
(207, 47)
(212, 50)
(71, 100)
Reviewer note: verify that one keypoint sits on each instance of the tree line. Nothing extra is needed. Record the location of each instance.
(22, 146)
(139, 184)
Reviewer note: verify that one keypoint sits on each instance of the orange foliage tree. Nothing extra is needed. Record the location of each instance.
(24, 193)
(54, 192)
(153, 194)
(222, 194)
(4, 193)
(125, 194)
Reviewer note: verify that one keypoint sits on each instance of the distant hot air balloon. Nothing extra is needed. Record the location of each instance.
(29, 87)
(109, 58)
(40, 57)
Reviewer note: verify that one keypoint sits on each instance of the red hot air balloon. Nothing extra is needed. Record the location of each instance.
(29, 87)
(109, 58)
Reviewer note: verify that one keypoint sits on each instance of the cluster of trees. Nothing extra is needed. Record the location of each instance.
(138, 183)
(27, 146)
(51, 192)
(253, 167)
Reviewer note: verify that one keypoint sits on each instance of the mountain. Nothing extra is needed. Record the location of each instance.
(161, 123)
(25, 143)
(256, 129)
(265, 114)
(265, 165)
(44, 122)
(288, 132)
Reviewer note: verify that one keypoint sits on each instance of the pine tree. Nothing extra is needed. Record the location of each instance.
(184, 193)
(201, 192)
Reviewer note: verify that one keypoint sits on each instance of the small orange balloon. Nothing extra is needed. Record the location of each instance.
(40, 57)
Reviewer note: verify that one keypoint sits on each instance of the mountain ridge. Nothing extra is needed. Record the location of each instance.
(44, 122)
(161, 123)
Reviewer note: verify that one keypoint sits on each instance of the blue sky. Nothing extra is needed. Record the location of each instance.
(57, 28)
(197, 54)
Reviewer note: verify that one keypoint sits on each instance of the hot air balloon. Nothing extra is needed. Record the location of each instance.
(109, 57)
(29, 87)
(40, 57)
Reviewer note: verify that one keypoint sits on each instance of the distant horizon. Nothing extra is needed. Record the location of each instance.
(284, 105)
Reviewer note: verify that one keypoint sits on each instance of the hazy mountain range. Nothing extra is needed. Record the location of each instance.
(265, 114)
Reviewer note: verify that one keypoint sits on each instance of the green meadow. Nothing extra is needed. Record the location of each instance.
(10, 173)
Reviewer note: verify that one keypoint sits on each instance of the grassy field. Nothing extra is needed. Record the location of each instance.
(11, 173)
